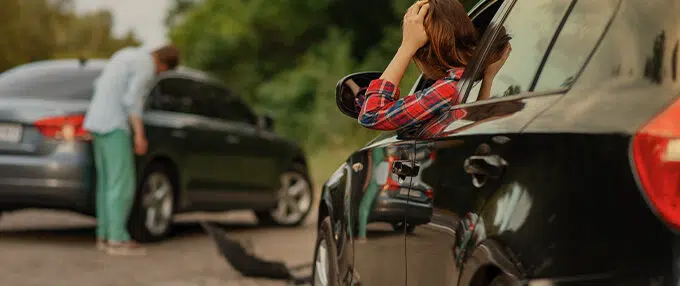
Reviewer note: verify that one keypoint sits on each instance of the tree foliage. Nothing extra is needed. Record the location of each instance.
(34, 30)
(286, 56)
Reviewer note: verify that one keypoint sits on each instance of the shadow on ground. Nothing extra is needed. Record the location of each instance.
(85, 234)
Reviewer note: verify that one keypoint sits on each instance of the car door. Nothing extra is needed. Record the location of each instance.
(545, 175)
(479, 144)
(377, 199)
(203, 154)
(244, 150)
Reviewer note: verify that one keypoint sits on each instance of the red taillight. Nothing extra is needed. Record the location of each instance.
(63, 127)
(656, 154)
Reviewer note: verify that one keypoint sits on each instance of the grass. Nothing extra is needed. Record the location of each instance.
(324, 162)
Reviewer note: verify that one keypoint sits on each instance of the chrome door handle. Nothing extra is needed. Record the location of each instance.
(232, 139)
(179, 133)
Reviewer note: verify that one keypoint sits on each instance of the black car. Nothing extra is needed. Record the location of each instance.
(208, 151)
(568, 175)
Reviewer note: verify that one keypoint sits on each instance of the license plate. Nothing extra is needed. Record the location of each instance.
(10, 133)
(415, 194)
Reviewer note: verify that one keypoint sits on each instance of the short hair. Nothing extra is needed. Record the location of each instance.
(169, 55)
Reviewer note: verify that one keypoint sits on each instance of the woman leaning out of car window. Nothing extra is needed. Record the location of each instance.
(440, 37)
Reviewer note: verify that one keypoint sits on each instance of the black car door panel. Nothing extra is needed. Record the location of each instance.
(460, 168)
(377, 202)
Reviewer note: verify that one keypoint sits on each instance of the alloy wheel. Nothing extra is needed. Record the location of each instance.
(321, 266)
(295, 199)
(158, 203)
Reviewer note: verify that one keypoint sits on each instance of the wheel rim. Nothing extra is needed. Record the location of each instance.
(158, 203)
(321, 264)
(295, 199)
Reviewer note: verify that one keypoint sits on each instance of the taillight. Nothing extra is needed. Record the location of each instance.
(68, 127)
(656, 154)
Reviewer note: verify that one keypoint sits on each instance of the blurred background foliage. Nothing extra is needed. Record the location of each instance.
(284, 57)
(34, 30)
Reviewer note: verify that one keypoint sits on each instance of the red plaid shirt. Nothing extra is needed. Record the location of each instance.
(381, 108)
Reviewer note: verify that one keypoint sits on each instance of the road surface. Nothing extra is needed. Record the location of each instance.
(45, 248)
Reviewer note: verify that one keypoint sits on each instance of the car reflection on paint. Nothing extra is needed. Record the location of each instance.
(391, 202)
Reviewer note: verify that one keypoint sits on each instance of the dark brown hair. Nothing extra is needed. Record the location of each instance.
(452, 39)
(495, 50)
(169, 55)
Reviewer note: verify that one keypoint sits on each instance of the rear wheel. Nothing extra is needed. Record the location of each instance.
(294, 200)
(399, 227)
(152, 213)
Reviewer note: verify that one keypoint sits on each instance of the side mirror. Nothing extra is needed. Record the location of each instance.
(266, 122)
(349, 87)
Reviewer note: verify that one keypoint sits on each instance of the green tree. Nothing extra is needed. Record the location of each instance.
(59, 33)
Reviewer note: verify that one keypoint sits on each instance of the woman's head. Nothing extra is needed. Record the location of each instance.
(452, 39)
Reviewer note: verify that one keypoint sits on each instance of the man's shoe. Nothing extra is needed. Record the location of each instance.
(125, 248)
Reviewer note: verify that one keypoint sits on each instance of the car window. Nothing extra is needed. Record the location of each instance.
(480, 19)
(577, 39)
(237, 110)
(532, 26)
(175, 95)
(56, 84)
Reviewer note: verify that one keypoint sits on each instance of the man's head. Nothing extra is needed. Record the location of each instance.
(167, 58)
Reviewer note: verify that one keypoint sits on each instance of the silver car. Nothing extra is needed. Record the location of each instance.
(208, 151)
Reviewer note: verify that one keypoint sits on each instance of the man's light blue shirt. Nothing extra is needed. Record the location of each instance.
(120, 90)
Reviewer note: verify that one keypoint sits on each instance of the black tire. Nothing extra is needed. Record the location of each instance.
(399, 227)
(325, 234)
(266, 217)
(504, 280)
(137, 223)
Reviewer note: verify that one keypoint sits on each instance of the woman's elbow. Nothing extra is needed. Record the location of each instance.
(370, 122)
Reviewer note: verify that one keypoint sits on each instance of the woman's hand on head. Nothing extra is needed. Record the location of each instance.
(414, 35)
(494, 68)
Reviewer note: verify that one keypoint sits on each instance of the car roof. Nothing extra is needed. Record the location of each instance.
(59, 65)
(97, 64)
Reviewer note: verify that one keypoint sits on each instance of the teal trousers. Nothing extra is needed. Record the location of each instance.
(114, 160)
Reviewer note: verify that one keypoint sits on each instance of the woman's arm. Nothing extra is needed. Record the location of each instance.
(413, 38)
(490, 73)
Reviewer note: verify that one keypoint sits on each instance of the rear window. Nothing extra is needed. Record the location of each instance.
(62, 83)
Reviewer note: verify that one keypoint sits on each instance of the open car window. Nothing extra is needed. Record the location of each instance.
(482, 14)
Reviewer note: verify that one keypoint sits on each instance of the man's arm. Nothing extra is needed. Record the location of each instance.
(133, 100)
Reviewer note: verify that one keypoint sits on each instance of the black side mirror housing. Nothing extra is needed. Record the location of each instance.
(349, 87)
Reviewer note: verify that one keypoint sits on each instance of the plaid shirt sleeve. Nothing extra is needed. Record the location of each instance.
(381, 108)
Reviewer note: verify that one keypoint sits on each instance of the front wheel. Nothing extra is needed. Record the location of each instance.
(294, 200)
(152, 213)
(325, 269)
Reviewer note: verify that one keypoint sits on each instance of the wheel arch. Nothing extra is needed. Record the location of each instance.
(488, 260)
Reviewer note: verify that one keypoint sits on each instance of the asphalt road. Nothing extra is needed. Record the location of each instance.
(45, 248)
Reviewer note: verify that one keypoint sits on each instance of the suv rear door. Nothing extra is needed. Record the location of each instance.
(481, 143)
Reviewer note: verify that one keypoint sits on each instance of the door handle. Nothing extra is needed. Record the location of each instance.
(483, 167)
(403, 170)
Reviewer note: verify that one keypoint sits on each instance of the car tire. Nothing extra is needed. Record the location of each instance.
(325, 267)
(399, 227)
(504, 280)
(296, 195)
(152, 213)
